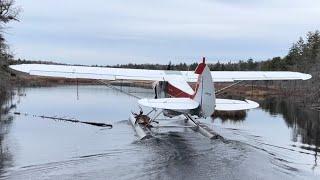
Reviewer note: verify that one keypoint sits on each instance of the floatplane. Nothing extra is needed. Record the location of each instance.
(173, 96)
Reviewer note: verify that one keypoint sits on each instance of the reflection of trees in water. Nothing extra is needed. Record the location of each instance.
(5, 122)
(305, 123)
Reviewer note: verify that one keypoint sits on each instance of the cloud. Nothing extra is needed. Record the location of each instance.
(145, 30)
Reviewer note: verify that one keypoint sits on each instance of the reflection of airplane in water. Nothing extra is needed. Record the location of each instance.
(174, 97)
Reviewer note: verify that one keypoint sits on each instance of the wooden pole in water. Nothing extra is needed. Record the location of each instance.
(77, 89)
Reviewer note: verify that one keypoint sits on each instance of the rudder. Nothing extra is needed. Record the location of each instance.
(204, 92)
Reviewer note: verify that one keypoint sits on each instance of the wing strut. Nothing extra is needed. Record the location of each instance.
(117, 89)
(227, 87)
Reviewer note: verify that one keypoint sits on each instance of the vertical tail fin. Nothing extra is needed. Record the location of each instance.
(205, 93)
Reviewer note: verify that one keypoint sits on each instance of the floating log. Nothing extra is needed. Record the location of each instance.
(67, 120)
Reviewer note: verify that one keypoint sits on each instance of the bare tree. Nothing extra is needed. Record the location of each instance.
(8, 12)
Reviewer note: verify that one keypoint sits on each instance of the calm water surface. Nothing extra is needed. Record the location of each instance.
(277, 141)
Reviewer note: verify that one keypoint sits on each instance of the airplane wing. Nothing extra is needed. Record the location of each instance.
(234, 105)
(88, 72)
(230, 76)
(170, 103)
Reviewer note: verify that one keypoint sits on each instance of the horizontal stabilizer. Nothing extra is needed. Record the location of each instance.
(179, 82)
(234, 105)
(170, 103)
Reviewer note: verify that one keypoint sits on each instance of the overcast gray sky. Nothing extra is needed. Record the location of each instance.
(122, 31)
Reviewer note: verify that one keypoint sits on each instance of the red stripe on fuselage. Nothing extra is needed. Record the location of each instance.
(176, 92)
